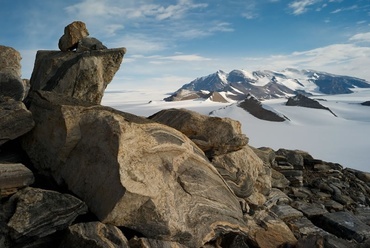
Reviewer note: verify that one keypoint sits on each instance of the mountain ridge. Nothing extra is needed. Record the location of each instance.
(268, 84)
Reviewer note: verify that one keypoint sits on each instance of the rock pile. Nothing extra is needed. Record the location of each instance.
(74, 173)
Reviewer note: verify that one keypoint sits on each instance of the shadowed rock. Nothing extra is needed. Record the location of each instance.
(89, 44)
(13, 177)
(153, 243)
(39, 213)
(11, 84)
(15, 119)
(94, 235)
(132, 172)
(213, 135)
(80, 75)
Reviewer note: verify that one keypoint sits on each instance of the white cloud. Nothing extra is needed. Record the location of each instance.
(362, 37)
(301, 6)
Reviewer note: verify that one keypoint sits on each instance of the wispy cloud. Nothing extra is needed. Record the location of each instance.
(344, 9)
(301, 6)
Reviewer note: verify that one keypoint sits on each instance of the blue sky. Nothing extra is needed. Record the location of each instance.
(170, 43)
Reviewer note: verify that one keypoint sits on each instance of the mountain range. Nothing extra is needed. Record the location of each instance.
(267, 84)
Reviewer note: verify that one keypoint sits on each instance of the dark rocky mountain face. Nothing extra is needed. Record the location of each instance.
(271, 84)
(255, 108)
(304, 101)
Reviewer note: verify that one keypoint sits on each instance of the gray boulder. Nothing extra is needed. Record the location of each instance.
(39, 213)
(214, 135)
(73, 33)
(15, 119)
(82, 75)
(88, 44)
(132, 172)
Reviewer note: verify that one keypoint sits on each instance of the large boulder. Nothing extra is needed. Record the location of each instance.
(214, 135)
(15, 119)
(11, 84)
(73, 33)
(132, 172)
(82, 75)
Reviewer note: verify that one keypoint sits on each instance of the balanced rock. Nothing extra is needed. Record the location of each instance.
(131, 171)
(13, 177)
(11, 84)
(94, 235)
(214, 135)
(39, 213)
(73, 33)
(15, 119)
(80, 75)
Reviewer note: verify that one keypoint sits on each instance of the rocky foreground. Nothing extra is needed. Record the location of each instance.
(74, 173)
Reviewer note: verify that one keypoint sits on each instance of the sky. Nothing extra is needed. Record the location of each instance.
(171, 42)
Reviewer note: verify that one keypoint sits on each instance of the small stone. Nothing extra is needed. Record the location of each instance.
(89, 44)
(73, 33)
(310, 209)
(286, 212)
(13, 177)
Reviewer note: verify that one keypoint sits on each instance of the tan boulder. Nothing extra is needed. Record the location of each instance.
(214, 135)
(11, 84)
(10, 59)
(80, 75)
(73, 33)
(132, 172)
(244, 172)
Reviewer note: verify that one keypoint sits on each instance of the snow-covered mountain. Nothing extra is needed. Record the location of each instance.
(268, 84)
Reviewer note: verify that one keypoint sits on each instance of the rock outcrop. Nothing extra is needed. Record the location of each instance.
(304, 101)
(132, 172)
(255, 108)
